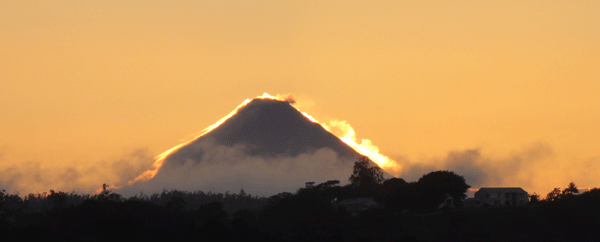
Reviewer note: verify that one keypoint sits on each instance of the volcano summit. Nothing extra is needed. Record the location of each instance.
(270, 128)
(265, 146)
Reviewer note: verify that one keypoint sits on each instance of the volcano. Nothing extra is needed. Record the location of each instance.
(265, 146)
(270, 128)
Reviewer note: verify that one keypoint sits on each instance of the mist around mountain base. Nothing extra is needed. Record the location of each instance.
(221, 168)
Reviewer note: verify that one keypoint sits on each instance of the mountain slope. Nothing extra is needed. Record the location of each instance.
(267, 146)
(269, 128)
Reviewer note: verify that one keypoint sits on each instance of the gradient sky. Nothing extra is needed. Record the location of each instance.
(88, 88)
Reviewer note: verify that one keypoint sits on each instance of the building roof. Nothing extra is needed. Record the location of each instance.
(501, 189)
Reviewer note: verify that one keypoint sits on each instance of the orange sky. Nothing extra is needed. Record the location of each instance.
(88, 88)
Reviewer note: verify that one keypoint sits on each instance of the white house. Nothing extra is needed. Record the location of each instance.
(499, 196)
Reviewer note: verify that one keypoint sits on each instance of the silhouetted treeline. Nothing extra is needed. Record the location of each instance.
(181, 200)
(107, 215)
(188, 201)
(403, 211)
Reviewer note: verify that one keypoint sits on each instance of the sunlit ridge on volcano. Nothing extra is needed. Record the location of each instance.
(365, 147)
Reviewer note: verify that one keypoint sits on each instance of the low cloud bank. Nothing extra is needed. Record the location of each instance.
(535, 168)
(218, 168)
(80, 177)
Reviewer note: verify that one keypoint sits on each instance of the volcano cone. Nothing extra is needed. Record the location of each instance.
(266, 147)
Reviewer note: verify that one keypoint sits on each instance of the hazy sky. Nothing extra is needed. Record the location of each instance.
(90, 91)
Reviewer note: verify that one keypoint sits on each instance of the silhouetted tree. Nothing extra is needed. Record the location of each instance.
(107, 195)
(572, 189)
(366, 175)
(104, 193)
(279, 198)
(554, 195)
(394, 182)
(243, 193)
(10, 203)
(329, 184)
(534, 198)
(396, 194)
(435, 185)
(57, 200)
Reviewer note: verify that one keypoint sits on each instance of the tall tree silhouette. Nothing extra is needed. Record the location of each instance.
(366, 175)
(553, 195)
(572, 189)
(435, 185)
